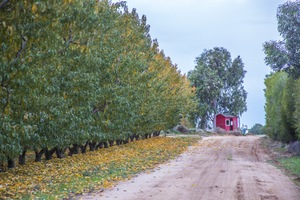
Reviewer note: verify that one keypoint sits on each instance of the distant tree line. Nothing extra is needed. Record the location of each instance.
(283, 85)
(257, 129)
(80, 75)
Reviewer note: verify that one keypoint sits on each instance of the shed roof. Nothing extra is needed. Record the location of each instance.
(226, 115)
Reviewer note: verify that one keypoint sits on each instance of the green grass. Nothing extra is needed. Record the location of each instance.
(229, 157)
(292, 164)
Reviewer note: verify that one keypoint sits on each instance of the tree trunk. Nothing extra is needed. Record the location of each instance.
(60, 153)
(84, 147)
(132, 138)
(38, 155)
(92, 146)
(100, 145)
(105, 144)
(156, 133)
(111, 143)
(70, 151)
(2, 167)
(203, 123)
(22, 157)
(3, 3)
(137, 137)
(10, 163)
(74, 149)
(118, 142)
(49, 153)
(125, 141)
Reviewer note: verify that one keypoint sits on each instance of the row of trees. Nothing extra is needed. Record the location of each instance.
(283, 86)
(76, 74)
(257, 129)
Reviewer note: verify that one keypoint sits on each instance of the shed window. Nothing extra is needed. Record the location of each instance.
(227, 122)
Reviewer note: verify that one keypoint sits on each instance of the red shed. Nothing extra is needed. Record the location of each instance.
(227, 121)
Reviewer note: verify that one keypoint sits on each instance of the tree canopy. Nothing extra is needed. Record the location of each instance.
(280, 107)
(219, 85)
(257, 129)
(285, 54)
(282, 87)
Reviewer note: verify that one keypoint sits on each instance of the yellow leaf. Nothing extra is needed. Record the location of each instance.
(96, 10)
(34, 8)
(10, 30)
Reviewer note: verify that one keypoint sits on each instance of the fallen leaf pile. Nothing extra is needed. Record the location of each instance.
(82, 173)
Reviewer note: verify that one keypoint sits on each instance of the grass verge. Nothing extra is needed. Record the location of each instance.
(282, 159)
(82, 173)
(291, 164)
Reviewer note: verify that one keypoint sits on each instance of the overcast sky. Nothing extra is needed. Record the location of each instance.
(184, 28)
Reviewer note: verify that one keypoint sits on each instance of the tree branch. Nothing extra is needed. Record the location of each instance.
(5, 86)
(23, 45)
(100, 108)
(67, 42)
(3, 3)
(70, 39)
(7, 96)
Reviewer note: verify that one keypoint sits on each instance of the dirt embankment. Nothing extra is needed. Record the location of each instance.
(217, 168)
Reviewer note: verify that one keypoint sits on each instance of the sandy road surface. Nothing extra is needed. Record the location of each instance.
(218, 168)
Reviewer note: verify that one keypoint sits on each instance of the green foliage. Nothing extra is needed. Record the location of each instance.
(285, 55)
(279, 107)
(297, 108)
(74, 73)
(273, 93)
(219, 85)
(257, 129)
(9, 140)
(288, 109)
(282, 93)
(292, 164)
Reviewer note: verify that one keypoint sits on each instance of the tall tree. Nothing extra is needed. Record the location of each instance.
(279, 107)
(281, 87)
(285, 54)
(219, 85)
(296, 114)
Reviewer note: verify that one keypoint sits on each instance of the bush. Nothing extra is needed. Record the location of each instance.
(257, 129)
(220, 130)
(294, 148)
(181, 129)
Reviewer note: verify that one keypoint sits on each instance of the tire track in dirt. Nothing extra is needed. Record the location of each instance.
(225, 167)
(239, 193)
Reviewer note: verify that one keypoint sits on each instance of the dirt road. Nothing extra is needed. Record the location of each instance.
(218, 168)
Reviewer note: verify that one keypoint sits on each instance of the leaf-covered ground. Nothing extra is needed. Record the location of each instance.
(63, 178)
